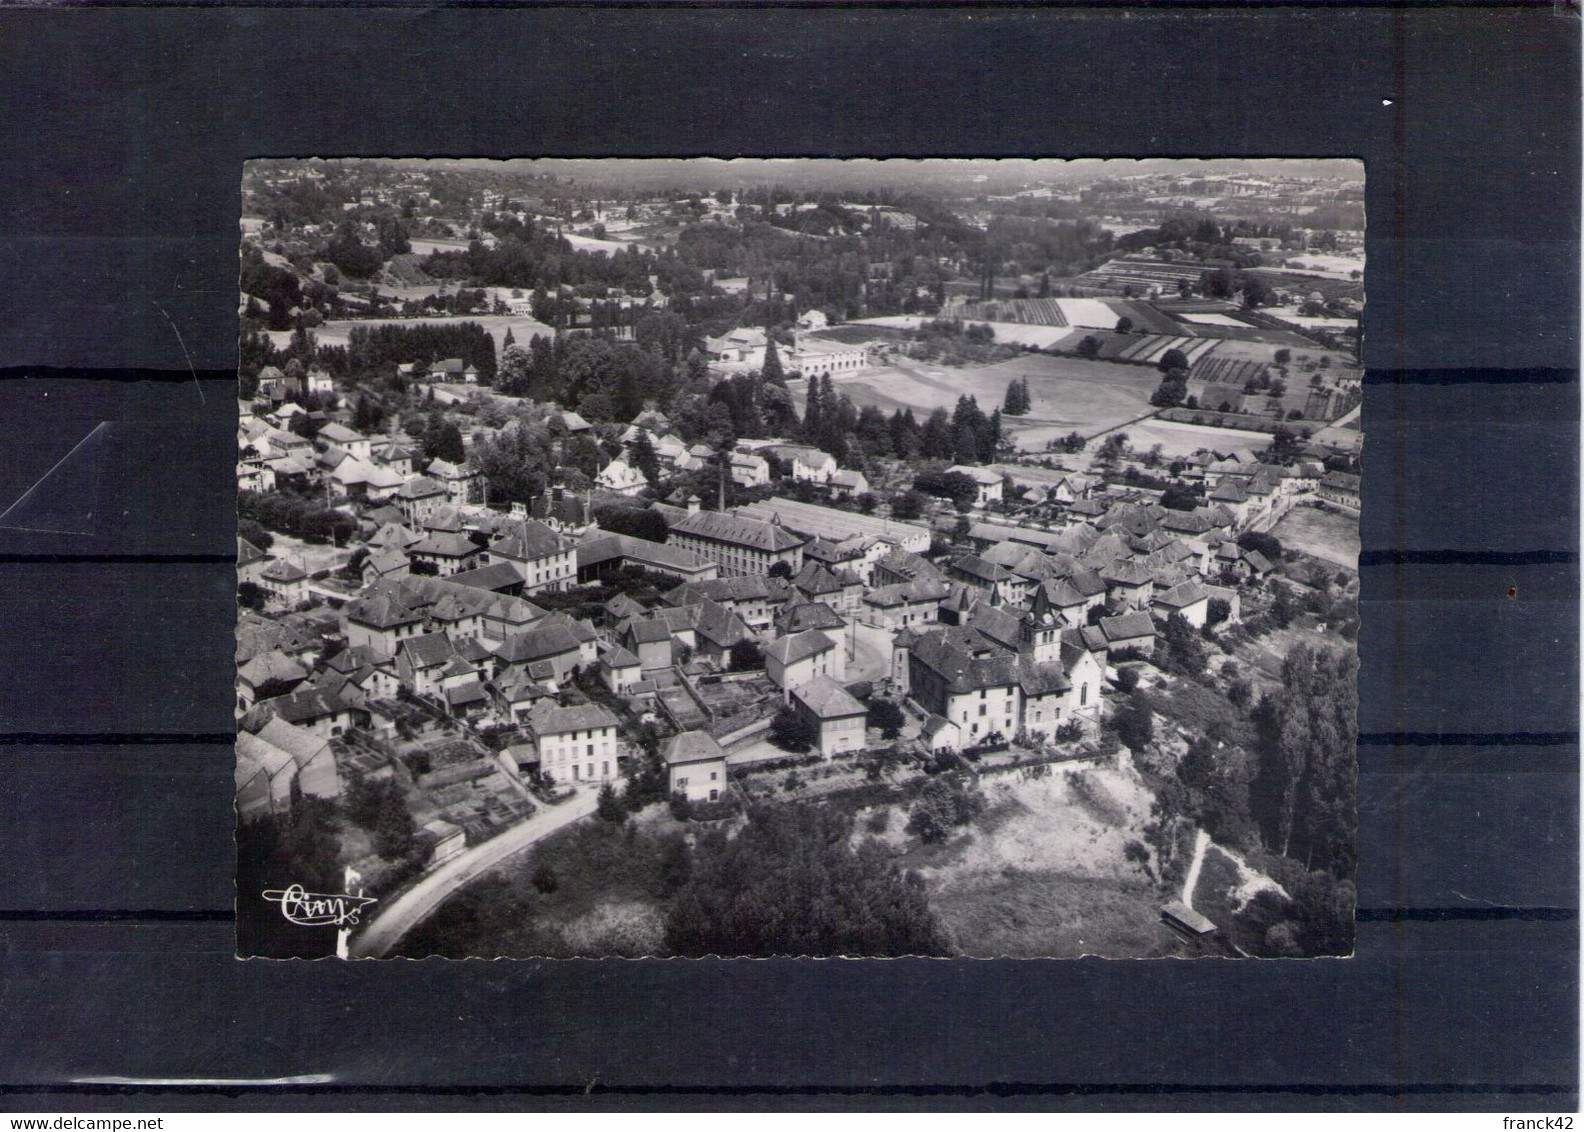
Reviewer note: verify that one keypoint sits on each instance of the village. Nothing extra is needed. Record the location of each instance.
(1029, 596)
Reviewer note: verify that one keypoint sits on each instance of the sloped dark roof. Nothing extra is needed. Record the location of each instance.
(717, 526)
(691, 747)
(828, 699)
(1127, 626)
(428, 650)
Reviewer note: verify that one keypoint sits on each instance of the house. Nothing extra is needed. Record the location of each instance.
(621, 477)
(323, 713)
(274, 672)
(251, 561)
(847, 484)
(754, 598)
(547, 561)
(695, 766)
(420, 661)
(940, 735)
(284, 581)
(352, 442)
(552, 644)
(905, 604)
(649, 639)
(263, 778)
(806, 463)
(620, 670)
(440, 841)
(988, 484)
(843, 591)
(716, 629)
(988, 578)
(381, 619)
(1128, 584)
(1340, 488)
(736, 545)
(793, 661)
(386, 564)
(419, 497)
(447, 554)
(749, 470)
(1191, 600)
(988, 689)
(836, 716)
(316, 774)
(802, 615)
(576, 744)
(1129, 631)
(462, 482)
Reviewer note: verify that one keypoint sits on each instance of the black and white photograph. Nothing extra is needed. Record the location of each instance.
(861, 558)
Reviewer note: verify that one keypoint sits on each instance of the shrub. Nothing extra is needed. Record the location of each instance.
(944, 802)
(879, 821)
(887, 717)
(791, 732)
(544, 878)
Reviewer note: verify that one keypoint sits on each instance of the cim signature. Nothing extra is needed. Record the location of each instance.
(318, 909)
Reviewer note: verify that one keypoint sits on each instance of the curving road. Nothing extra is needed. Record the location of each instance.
(406, 911)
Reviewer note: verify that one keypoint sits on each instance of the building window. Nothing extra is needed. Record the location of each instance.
(1083, 696)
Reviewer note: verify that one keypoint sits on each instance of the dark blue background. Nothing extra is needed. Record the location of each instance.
(121, 152)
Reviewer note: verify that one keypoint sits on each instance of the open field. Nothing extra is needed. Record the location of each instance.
(1067, 393)
(334, 333)
(1179, 439)
(1042, 871)
(1331, 537)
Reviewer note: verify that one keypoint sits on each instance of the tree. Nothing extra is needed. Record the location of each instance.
(772, 373)
(746, 656)
(1089, 346)
(1308, 732)
(1283, 608)
(1172, 359)
(1172, 390)
(908, 505)
(791, 883)
(250, 595)
(255, 533)
(1135, 724)
(781, 570)
(1017, 398)
(1217, 611)
(886, 717)
(1184, 649)
(639, 522)
(790, 731)
(1267, 544)
(544, 878)
(608, 806)
(645, 458)
(1124, 325)
(943, 803)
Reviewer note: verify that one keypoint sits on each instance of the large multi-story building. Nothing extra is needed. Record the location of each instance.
(576, 744)
(546, 560)
(737, 545)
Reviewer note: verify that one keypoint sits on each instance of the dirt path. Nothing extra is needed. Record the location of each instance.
(1191, 882)
(401, 916)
